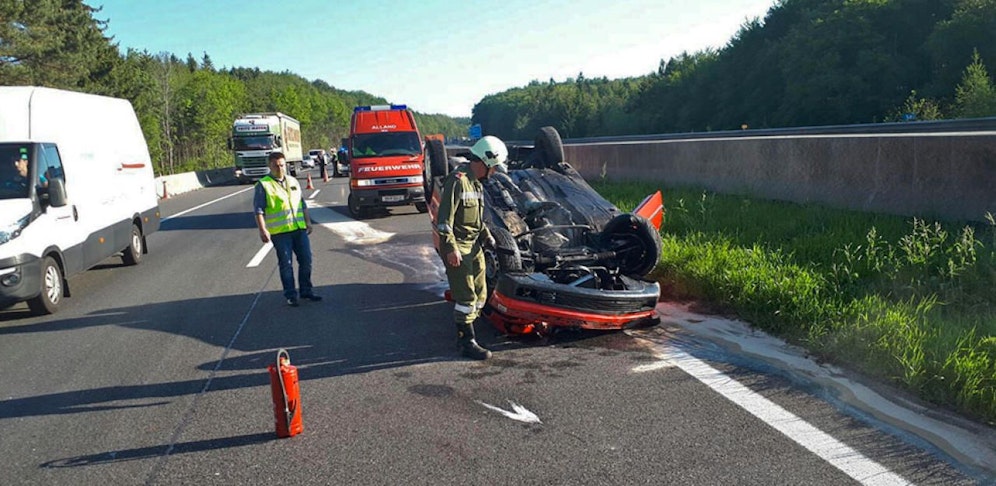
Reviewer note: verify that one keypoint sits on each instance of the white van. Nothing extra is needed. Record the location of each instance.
(76, 187)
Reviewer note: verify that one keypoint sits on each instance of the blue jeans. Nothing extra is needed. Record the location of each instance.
(298, 243)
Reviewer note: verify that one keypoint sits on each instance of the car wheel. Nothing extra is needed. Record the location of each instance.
(507, 251)
(355, 210)
(422, 207)
(549, 148)
(636, 242)
(52, 289)
(436, 166)
(133, 254)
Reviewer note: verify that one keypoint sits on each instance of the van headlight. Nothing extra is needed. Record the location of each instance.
(13, 230)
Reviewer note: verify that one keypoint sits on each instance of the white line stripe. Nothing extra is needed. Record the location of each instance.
(312, 196)
(260, 255)
(206, 204)
(836, 453)
(193, 408)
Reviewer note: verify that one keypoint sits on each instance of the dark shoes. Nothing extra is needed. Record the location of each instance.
(293, 302)
(470, 349)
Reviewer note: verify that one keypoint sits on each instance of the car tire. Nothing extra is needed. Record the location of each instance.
(637, 242)
(422, 207)
(549, 148)
(436, 165)
(355, 210)
(52, 289)
(133, 253)
(507, 251)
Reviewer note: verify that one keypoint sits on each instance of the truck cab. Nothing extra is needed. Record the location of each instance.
(255, 135)
(386, 159)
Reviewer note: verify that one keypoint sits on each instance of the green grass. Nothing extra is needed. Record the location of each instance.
(907, 300)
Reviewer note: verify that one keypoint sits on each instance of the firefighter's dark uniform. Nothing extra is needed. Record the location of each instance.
(460, 223)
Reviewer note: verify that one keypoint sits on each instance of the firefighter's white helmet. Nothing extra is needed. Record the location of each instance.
(491, 150)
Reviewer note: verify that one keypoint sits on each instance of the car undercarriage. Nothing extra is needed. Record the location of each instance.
(564, 257)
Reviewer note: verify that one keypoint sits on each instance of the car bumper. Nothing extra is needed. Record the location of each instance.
(20, 278)
(389, 197)
(523, 305)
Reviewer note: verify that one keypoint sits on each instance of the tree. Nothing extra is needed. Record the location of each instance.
(916, 109)
(975, 97)
(54, 43)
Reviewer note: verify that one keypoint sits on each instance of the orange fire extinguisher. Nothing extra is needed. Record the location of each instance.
(286, 396)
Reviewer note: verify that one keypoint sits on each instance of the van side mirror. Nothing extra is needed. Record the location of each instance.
(231, 144)
(56, 193)
(280, 140)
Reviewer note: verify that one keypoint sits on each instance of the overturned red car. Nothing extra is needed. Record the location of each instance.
(564, 256)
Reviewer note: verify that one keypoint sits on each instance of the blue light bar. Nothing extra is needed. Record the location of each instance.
(379, 108)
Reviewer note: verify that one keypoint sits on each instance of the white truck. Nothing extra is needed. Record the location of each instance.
(256, 135)
(76, 187)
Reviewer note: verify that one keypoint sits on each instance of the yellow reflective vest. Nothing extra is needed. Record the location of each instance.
(284, 212)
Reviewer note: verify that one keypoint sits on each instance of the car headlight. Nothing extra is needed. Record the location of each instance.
(13, 230)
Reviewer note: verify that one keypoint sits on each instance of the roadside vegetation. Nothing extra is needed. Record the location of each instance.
(907, 300)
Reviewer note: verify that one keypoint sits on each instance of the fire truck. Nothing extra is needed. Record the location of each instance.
(386, 160)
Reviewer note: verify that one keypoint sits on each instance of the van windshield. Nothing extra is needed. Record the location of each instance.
(262, 142)
(14, 165)
(386, 144)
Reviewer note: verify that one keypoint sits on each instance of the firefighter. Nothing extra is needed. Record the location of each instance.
(463, 237)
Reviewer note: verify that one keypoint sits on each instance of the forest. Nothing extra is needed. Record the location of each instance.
(806, 63)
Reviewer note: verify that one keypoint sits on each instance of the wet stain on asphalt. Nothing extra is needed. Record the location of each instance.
(481, 374)
(433, 391)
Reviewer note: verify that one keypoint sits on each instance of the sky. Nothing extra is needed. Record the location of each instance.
(436, 56)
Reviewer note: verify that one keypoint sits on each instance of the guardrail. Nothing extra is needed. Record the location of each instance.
(171, 185)
(942, 169)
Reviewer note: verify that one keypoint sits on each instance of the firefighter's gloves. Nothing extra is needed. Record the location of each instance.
(489, 243)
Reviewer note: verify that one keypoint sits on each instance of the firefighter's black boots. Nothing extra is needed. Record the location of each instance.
(468, 345)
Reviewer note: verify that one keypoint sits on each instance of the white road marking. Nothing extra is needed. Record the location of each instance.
(966, 444)
(312, 196)
(834, 452)
(659, 365)
(206, 204)
(518, 412)
(258, 258)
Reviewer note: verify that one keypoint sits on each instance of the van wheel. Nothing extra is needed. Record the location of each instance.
(355, 210)
(422, 207)
(133, 254)
(52, 289)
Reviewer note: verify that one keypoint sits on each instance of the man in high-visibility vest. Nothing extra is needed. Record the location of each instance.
(282, 217)
(463, 235)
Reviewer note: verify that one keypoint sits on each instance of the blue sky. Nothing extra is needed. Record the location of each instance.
(436, 56)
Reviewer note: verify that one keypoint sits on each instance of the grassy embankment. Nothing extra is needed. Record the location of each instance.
(907, 300)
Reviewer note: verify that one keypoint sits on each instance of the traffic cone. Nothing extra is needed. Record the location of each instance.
(309, 182)
(325, 174)
(165, 193)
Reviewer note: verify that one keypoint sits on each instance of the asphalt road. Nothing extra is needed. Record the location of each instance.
(156, 374)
